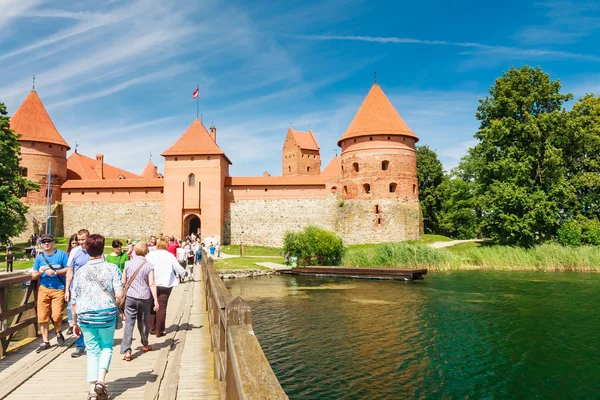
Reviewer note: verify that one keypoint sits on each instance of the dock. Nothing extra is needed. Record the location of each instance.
(403, 274)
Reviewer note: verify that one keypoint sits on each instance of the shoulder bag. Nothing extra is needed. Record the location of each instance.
(119, 323)
(121, 302)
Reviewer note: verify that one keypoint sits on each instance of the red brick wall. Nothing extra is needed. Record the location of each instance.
(35, 156)
(369, 153)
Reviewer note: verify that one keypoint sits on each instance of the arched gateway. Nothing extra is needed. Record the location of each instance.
(191, 224)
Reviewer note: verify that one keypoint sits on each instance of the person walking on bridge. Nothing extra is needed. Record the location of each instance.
(165, 268)
(140, 290)
(96, 288)
(50, 266)
(77, 259)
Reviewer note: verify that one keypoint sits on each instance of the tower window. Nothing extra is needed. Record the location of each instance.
(379, 221)
(342, 168)
(388, 138)
(393, 186)
(385, 165)
(307, 169)
(266, 189)
(49, 146)
(377, 209)
(333, 189)
(370, 137)
(414, 188)
(193, 158)
(175, 158)
(354, 140)
(367, 188)
(355, 166)
(191, 180)
(23, 171)
(345, 189)
(289, 169)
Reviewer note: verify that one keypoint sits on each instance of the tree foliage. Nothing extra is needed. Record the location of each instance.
(430, 175)
(314, 246)
(12, 185)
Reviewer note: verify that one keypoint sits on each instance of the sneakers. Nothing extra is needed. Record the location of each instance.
(70, 330)
(44, 346)
(78, 353)
(60, 338)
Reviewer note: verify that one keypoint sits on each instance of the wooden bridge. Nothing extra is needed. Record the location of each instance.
(208, 352)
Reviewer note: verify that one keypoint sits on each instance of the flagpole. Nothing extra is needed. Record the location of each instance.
(197, 99)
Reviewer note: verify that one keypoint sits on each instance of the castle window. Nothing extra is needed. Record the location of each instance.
(355, 166)
(333, 189)
(385, 165)
(49, 146)
(367, 188)
(175, 158)
(307, 169)
(354, 140)
(266, 189)
(370, 137)
(32, 144)
(414, 188)
(69, 193)
(377, 209)
(23, 171)
(388, 138)
(193, 159)
(289, 169)
(113, 192)
(393, 186)
(342, 168)
(208, 158)
(97, 192)
(121, 176)
(229, 190)
(82, 192)
(162, 190)
(191, 180)
(345, 189)
(379, 221)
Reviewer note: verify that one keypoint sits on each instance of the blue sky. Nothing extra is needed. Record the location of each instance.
(117, 76)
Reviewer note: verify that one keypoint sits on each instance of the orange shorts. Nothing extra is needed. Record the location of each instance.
(50, 303)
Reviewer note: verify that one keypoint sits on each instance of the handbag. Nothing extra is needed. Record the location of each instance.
(119, 323)
(121, 301)
(53, 269)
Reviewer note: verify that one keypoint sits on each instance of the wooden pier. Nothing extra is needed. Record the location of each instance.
(405, 274)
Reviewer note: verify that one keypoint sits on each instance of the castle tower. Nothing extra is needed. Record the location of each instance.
(301, 154)
(41, 146)
(379, 171)
(194, 181)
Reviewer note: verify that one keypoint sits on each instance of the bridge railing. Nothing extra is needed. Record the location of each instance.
(241, 367)
(24, 316)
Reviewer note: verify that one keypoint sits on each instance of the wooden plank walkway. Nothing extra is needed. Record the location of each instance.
(180, 366)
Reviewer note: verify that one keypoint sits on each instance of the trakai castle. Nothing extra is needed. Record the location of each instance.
(369, 194)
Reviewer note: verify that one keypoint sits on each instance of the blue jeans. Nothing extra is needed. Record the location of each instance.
(99, 343)
(198, 257)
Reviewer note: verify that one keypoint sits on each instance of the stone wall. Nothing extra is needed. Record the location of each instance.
(131, 219)
(264, 222)
(37, 216)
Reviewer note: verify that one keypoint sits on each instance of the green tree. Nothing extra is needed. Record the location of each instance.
(459, 218)
(430, 175)
(12, 185)
(314, 246)
(520, 171)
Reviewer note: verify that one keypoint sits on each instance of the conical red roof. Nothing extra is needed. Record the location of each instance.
(149, 171)
(194, 141)
(334, 168)
(33, 123)
(376, 115)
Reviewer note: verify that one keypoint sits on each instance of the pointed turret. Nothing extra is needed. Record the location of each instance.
(32, 122)
(150, 171)
(195, 141)
(376, 116)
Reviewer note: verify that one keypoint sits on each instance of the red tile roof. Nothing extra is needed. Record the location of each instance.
(149, 171)
(80, 167)
(377, 115)
(32, 122)
(334, 168)
(113, 183)
(276, 180)
(304, 140)
(195, 140)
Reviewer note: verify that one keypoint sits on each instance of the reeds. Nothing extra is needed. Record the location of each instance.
(547, 257)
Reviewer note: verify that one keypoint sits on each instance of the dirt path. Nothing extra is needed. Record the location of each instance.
(439, 245)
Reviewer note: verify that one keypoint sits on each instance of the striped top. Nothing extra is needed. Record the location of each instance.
(139, 288)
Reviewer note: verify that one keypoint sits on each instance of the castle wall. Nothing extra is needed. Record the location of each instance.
(36, 157)
(107, 195)
(114, 219)
(36, 218)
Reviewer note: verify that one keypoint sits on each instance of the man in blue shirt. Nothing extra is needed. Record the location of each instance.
(50, 266)
(77, 259)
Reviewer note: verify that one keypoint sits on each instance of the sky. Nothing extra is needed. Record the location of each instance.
(117, 76)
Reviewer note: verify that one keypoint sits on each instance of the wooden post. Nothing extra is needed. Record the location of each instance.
(32, 330)
(3, 323)
(238, 312)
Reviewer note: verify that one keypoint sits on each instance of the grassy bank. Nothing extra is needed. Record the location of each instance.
(241, 263)
(547, 257)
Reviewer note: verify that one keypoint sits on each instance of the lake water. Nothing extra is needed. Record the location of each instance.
(476, 335)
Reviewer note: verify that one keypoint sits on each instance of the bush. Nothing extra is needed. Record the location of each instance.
(592, 233)
(570, 233)
(314, 246)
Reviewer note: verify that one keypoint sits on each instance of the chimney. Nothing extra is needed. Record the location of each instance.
(213, 133)
(99, 167)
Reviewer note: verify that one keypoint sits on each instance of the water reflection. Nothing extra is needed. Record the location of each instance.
(454, 335)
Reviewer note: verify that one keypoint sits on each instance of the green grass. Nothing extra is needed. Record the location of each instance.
(242, 263)
(398, 255)
(428, 239)
(234, 249)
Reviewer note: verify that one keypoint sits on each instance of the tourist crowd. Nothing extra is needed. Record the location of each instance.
(106, 292)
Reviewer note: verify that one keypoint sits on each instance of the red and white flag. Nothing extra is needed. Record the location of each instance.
(195, 94)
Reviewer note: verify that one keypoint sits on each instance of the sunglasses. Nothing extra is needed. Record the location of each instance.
(46, 241)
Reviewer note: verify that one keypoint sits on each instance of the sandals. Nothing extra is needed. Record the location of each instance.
(146, 349)
(101, 391)
(127, 356)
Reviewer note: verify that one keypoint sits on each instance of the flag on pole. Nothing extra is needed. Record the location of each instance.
(195, 94)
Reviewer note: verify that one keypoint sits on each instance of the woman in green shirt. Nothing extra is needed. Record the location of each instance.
(117, 256)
